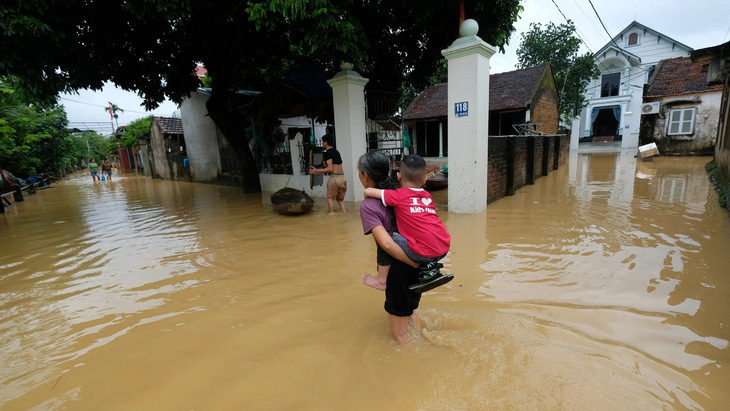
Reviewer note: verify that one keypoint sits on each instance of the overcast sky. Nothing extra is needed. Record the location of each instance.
(695, 23)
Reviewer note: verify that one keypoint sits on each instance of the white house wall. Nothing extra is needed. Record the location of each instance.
(705, 125)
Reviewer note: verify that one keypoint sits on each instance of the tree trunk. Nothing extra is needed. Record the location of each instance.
(222, 110)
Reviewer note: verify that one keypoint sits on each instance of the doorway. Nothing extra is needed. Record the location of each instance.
(606, 123)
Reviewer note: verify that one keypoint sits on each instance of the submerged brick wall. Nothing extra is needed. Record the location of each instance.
(516, 161)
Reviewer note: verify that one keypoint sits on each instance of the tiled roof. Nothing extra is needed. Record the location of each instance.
(514, 89)
(170, 125)
(431, 103)
(510, 90)
(679, 76)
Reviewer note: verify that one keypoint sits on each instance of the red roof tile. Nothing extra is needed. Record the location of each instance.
(679, 76)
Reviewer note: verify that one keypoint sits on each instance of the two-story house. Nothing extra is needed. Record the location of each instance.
(614, 99)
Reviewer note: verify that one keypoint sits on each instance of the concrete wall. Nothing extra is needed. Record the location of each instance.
(517, 161)
(654, 127)
(201, 139)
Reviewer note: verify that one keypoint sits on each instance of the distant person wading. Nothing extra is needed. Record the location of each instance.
(337, 184)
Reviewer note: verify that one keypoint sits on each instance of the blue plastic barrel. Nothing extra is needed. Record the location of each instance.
(186, 163)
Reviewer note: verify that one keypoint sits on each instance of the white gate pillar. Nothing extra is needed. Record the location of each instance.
(575, 132)
(468, 117)
(631, 131)
(348, 97)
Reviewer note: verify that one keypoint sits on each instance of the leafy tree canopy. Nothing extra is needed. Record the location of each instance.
(559, 46)
(153, 47)
(33, 138)
(136, 130)
(89, 145)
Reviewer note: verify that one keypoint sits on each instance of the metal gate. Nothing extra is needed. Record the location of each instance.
(384, 123)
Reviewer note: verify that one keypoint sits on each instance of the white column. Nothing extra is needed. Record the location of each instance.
(348, 97)
(441, 139)
(575, 132)
(294, 144)
(468, 115)
(631, 131)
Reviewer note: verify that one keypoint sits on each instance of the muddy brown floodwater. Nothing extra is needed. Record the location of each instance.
(603, 286)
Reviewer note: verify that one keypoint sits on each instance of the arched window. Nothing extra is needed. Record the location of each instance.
(633, 39)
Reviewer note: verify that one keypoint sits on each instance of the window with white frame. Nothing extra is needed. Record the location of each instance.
(610, 84)
(682, 121)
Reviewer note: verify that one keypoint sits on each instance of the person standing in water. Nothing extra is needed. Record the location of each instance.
(421, 235)
(337, 184)
(400, 302)
(94, 169)
(106, 169)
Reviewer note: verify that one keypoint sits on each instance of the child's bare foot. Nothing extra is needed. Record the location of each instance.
(375, 282)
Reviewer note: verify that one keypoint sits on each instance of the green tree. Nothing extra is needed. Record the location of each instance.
(86, 146)
(32, 137)
(559, 46)
(153, 47)
(136, 130)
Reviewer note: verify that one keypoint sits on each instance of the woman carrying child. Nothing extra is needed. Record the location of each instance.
(400, 302)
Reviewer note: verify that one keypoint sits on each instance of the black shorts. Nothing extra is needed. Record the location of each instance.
(399, 300)
(383, 258)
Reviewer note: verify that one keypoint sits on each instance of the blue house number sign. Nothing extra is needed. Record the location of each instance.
(461, 109)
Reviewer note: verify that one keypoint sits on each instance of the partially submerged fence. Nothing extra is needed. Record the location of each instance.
(517, 161)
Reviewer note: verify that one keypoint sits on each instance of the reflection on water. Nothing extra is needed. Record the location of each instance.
(603, 285)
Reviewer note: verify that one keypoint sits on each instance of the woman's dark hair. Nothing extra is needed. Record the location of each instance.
(377, 166)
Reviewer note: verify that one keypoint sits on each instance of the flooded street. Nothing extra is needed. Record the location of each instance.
(605, 285)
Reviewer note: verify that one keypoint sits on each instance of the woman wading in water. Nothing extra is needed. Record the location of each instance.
(400, 302)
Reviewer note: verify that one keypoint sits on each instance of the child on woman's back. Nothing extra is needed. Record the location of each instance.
(422, 235)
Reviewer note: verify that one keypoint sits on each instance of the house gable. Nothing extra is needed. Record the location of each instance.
(647, 41)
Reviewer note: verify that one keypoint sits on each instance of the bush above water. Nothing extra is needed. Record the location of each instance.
(719, 180)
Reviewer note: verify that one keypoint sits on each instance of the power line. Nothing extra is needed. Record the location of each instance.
(576, 29)
(609, 34)
(588, 18)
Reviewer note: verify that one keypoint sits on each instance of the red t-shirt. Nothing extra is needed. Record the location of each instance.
(417, 221)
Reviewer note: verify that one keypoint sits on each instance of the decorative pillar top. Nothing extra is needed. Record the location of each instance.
(468, 43)
(469, 28)
(347, 76)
